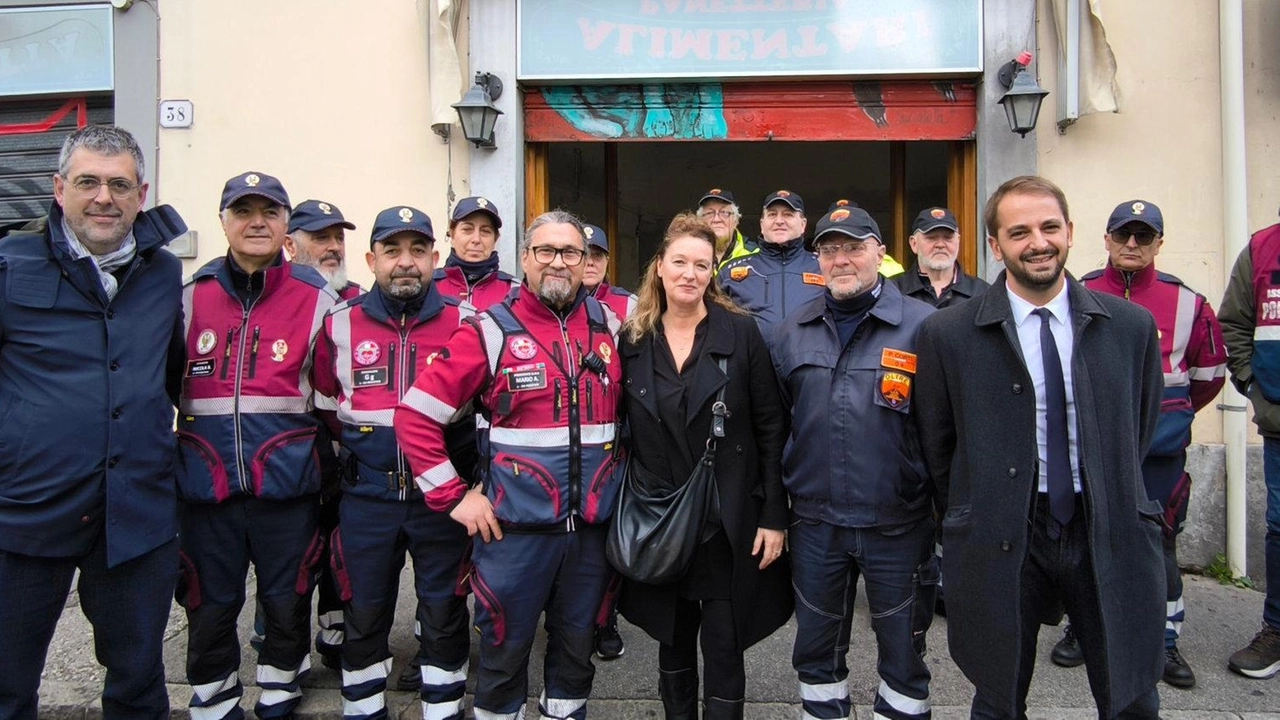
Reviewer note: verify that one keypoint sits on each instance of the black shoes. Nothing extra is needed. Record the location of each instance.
(609, 645)
(1176, 670)
(1261, 658)
(1067, 652)
(410, 679)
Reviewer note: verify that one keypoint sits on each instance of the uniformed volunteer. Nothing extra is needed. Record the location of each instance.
(471, 272)
(249, 474)
(937, 277)
(860, 499)
(543, 368)
(368, 353)
(782, 274)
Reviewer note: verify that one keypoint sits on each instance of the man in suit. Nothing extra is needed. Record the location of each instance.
(1036, 403)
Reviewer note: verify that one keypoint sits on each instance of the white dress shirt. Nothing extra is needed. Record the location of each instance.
(1028, 326)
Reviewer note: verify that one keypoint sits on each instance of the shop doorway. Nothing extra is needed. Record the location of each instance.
(628, 158)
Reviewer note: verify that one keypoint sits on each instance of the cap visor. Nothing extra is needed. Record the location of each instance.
(320, 224)
(240, 194)
(935, 226)
(388, 232)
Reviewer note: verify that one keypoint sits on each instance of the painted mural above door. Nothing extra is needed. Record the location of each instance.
(861, 110)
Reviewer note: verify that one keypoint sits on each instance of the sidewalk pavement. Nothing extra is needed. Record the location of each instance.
(1220, 620)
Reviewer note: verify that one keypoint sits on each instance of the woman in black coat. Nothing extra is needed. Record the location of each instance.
(737, 590)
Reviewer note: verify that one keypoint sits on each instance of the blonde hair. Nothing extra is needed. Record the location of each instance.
(651, 300)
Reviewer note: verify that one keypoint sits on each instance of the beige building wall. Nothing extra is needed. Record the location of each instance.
(330, 97)
(1165, 145)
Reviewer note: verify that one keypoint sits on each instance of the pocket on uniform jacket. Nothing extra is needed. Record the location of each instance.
(202, 476)
(520, 485)
(287, 465)
(602, 494)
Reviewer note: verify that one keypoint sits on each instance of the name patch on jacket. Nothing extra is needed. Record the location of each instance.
(898, 360)
(369, 377)
(201, 368)
(814, 279)
(526, 377)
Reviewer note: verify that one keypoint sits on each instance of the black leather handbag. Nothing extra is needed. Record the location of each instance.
(657, 528)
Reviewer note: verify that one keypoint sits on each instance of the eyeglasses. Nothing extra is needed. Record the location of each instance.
(726, 214)
(118, 187)
(1141, 237)
(545, 254)
(856, 248)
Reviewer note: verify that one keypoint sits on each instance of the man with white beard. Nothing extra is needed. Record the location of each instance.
(937, 277)
(317, 238)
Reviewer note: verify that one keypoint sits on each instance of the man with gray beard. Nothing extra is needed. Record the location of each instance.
(937, 277)
(542, 368)
(860, 498)
(317, 238)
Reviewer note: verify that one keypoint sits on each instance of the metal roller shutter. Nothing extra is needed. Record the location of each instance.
(29, 160)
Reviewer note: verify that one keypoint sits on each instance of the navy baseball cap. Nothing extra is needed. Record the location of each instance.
(842, 203)
(468, 205)
(316, 215)
(253, 183)
(934, 218)
(785, 196)
(717, 194)
(595, 236)
(853, 222)
(401, 218)
(1139, 211)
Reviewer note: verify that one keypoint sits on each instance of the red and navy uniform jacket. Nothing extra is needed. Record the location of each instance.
(482, 294)
(365, 360)
(1264, 250)
(549, 388)
(1192, 353)
(245, 424)
(350, 292)
(87, 390)
(621, 302)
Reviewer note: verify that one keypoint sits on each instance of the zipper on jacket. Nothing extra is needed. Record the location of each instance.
(556, 414)
(406, 368)
(241, 471)
(591, 415)
(226, 360)
(575, 427)
(1128, 285)
(253, 353)
(1208, 328)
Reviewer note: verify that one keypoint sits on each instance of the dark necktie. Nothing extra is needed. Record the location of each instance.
(1062, 501)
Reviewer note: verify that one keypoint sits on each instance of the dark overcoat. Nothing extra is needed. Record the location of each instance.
(748, 468)
(976, 407)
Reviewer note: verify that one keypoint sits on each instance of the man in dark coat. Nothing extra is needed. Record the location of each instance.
(91, 309)
(1039, 478)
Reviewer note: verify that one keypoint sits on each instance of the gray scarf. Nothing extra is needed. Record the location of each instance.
(106, 263)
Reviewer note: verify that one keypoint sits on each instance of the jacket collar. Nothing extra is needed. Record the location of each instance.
(887, 308)
(994, 305)
(1138, 279)
(375, 305)
(273, 276)
(524, 297)
(152, 229)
